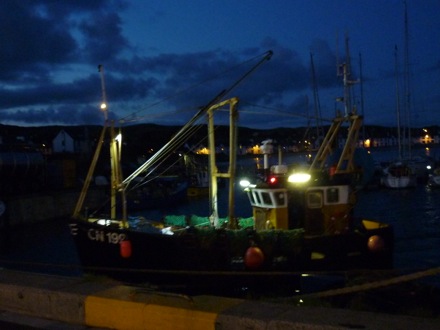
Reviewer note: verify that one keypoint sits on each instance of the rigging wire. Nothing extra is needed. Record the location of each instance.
(278, 111)
(166, 156)
(188, 129)
(234, 68)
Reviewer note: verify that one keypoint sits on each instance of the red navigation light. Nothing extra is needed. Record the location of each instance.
(273, 180)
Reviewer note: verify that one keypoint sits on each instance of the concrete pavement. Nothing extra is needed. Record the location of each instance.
(97, 303)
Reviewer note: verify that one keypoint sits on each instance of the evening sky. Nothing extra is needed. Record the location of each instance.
(164, 59)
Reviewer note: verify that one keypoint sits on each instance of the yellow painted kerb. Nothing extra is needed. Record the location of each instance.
(123, 314)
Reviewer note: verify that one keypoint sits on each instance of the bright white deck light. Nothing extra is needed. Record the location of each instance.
(245, 183)
(299, 177)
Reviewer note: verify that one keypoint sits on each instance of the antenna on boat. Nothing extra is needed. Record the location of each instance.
(344, 70)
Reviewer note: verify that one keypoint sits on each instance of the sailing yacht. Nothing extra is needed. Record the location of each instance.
(399, 174)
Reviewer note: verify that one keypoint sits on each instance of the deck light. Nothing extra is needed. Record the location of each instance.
(299, 178)
(245, 183)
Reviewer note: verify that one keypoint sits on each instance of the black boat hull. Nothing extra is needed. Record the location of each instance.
(217, 257)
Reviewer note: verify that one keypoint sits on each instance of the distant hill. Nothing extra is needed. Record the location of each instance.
(152, 136)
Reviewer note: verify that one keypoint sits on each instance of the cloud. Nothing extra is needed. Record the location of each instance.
(324, 62)
(30, 40)
(102, 38)
(65, 115)
(38, 36)
(50, 51)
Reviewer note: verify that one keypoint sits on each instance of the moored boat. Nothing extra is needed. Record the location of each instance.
(320, 202)
(198, 175)
(399, 175)
(295, 227)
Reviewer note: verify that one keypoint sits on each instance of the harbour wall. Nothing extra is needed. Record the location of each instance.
(39, 207)
(103, 304)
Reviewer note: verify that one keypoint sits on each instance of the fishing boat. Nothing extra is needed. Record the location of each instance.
(320, 201)
(295, 227)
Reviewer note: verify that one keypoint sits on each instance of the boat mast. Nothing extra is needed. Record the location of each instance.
(317, 104)
(399, 138)
(104, 94)
(346, 73)
(85, 188)
(406, 82)
(361, 79)
(86, 185)
(344, 70)
(214, 173)
(345, 164)
(116, 177)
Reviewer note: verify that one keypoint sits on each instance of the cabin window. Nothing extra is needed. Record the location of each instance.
(266, 198)
(257, 198)
(314, 199)
(332, 195)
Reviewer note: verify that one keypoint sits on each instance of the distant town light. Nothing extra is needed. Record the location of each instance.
(367, 143)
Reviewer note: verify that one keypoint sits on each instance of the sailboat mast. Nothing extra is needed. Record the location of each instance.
(362, 97)
(399, 143)
(316, 102)
(406, 81)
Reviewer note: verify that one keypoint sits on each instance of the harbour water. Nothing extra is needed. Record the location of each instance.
(414, 213)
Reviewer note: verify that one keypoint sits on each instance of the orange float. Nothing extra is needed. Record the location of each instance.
(376, 243)
(253, 258)
(125, 249)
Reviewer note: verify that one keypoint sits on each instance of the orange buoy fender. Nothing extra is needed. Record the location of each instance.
(125, 249)
(253, 258)
(376, 243)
